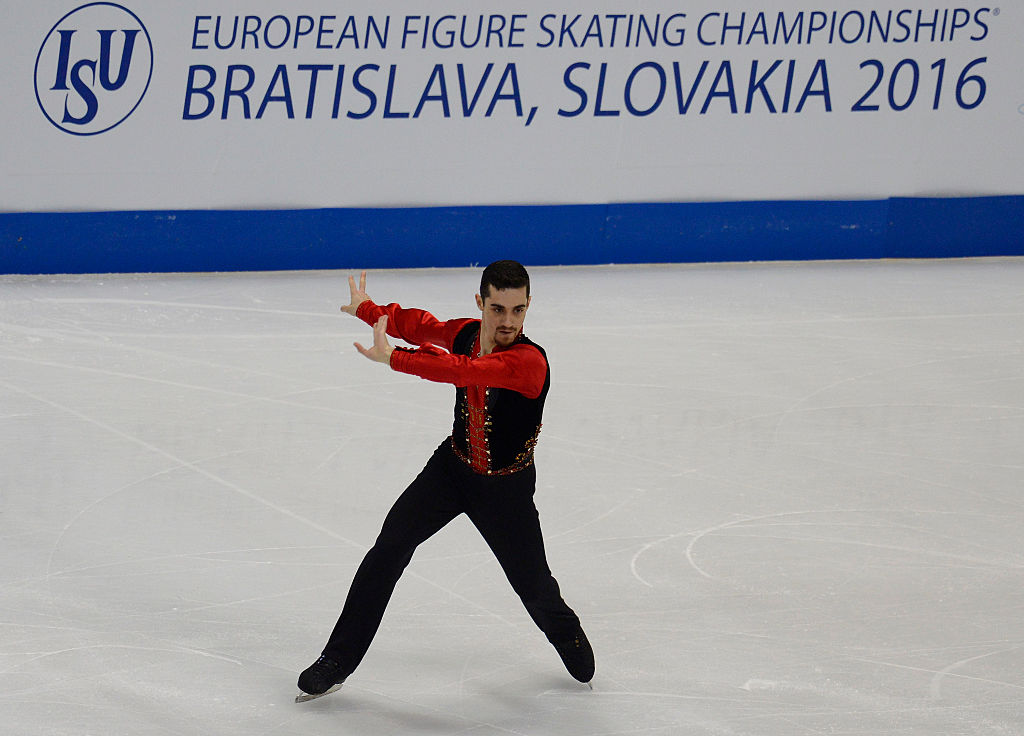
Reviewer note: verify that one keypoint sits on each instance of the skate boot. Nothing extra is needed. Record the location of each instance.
(321, 677)
(577, 656)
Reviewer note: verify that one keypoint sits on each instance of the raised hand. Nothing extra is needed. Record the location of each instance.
(381, 349)
(357, 295)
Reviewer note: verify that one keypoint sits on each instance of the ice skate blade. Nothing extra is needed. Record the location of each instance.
(306, 697)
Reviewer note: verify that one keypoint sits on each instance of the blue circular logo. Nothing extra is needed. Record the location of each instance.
(93, 68)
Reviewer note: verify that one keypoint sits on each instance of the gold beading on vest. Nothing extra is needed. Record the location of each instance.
(523, 460)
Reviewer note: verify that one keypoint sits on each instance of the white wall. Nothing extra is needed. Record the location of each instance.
(168, 154)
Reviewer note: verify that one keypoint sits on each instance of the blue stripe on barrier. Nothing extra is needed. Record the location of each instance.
(237, 240)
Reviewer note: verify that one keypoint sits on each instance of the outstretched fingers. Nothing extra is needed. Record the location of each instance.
(357, 294)
(381, 348)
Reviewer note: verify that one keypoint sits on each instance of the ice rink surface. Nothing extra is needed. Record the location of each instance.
(785, 499)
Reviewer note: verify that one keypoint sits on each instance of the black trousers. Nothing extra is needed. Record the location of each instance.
(501, 507)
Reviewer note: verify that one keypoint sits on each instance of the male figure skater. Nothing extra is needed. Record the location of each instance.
(484, 469)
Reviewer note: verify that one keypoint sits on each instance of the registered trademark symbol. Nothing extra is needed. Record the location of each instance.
(995, 11)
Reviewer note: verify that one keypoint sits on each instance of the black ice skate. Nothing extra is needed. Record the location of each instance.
(577, 656)
(321, 678)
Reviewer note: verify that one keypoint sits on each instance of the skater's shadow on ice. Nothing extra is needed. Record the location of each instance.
(506, 709)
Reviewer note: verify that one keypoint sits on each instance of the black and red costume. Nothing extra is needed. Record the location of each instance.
(485, 470)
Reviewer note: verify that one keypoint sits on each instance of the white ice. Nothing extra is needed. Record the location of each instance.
(784, 499)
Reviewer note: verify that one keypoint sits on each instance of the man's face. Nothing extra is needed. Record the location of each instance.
(503, 314)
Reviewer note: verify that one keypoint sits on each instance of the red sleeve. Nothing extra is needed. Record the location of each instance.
(414, 326)
(521, 368)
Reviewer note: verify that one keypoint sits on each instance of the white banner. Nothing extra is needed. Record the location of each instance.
(148, 104)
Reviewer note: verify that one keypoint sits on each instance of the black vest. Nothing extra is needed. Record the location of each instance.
(513, 421)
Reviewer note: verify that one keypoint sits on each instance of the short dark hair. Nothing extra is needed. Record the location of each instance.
(504, 275)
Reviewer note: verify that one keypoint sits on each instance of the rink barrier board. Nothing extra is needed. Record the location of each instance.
(417, 237)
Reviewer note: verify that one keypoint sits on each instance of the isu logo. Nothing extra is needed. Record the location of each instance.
(93, 68)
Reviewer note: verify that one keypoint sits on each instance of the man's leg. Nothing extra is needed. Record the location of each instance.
(426, 506)
(503, 510)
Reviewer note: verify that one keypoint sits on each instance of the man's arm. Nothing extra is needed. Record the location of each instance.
(521, 368)
(414, 326)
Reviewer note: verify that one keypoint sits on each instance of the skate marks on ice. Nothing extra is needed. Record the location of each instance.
(845, 519)
(802, 517)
